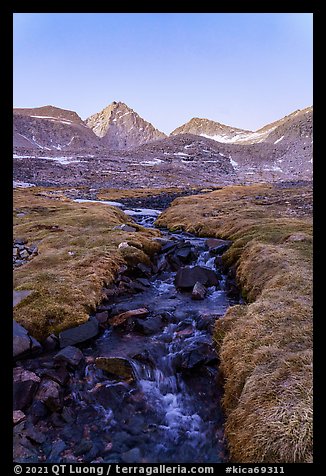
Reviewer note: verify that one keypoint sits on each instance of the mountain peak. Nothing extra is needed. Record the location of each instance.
(121, 127)
(211, 129)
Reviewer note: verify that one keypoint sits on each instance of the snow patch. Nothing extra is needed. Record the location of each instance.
(125, 114)
(19, 184)
(60, 160)
(234, 163)
(275, 168)
(240, 137)
(105, 202)
(73, 137)
(183, 154)
(15, 156)
(279, 140)
(151, 163)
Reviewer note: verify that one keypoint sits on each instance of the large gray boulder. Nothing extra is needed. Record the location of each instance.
(23, 343)
(70, 355)
(188, 276)
(78, 334)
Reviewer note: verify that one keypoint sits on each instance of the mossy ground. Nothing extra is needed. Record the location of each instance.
(78, 254)
(265, 346)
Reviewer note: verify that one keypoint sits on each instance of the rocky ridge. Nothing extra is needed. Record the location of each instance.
(269, 133)
(62, 150)
(120, 127)
(51, 128)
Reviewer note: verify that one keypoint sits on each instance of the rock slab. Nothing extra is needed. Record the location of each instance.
(188, 276)
(79, 334)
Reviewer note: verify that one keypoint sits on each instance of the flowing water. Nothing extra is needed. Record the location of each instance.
(170, 411)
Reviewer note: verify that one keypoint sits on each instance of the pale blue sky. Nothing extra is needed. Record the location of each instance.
(242, 69)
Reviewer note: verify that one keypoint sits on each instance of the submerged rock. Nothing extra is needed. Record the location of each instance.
(148, 326)
(110, 396)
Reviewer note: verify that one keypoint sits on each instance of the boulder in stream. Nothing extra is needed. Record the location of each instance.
(117, 366)
(120, 319)
(78, 334)
(25, 385)
(21, 340)
(23, 343)
(188, 276)
(71, 355)
(198, 292)
(50, 394)
(197, 354)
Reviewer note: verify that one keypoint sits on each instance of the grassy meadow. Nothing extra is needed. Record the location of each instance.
(265, 345)
(78, 254)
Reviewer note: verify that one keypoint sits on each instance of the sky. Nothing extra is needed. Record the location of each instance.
(244, 70)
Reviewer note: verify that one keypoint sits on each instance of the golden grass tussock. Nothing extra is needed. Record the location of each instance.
(78, 254)
(265, 346)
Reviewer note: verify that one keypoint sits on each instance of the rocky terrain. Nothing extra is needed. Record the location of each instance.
(116, 323)
(120, 127)
(117, 148)
(268, 133)
(51, 128)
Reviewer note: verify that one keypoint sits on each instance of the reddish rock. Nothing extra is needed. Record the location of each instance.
(185, 332)
(18, 416)
(124, 316)
(25, 384)
(50, 394)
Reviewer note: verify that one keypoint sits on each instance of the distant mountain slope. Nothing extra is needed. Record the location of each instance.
(119, 127)
(292, 126)
(211, 129)
(187, 148)
(51, 128)
(50, 112)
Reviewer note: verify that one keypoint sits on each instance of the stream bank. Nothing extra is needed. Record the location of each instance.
(145, 388)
